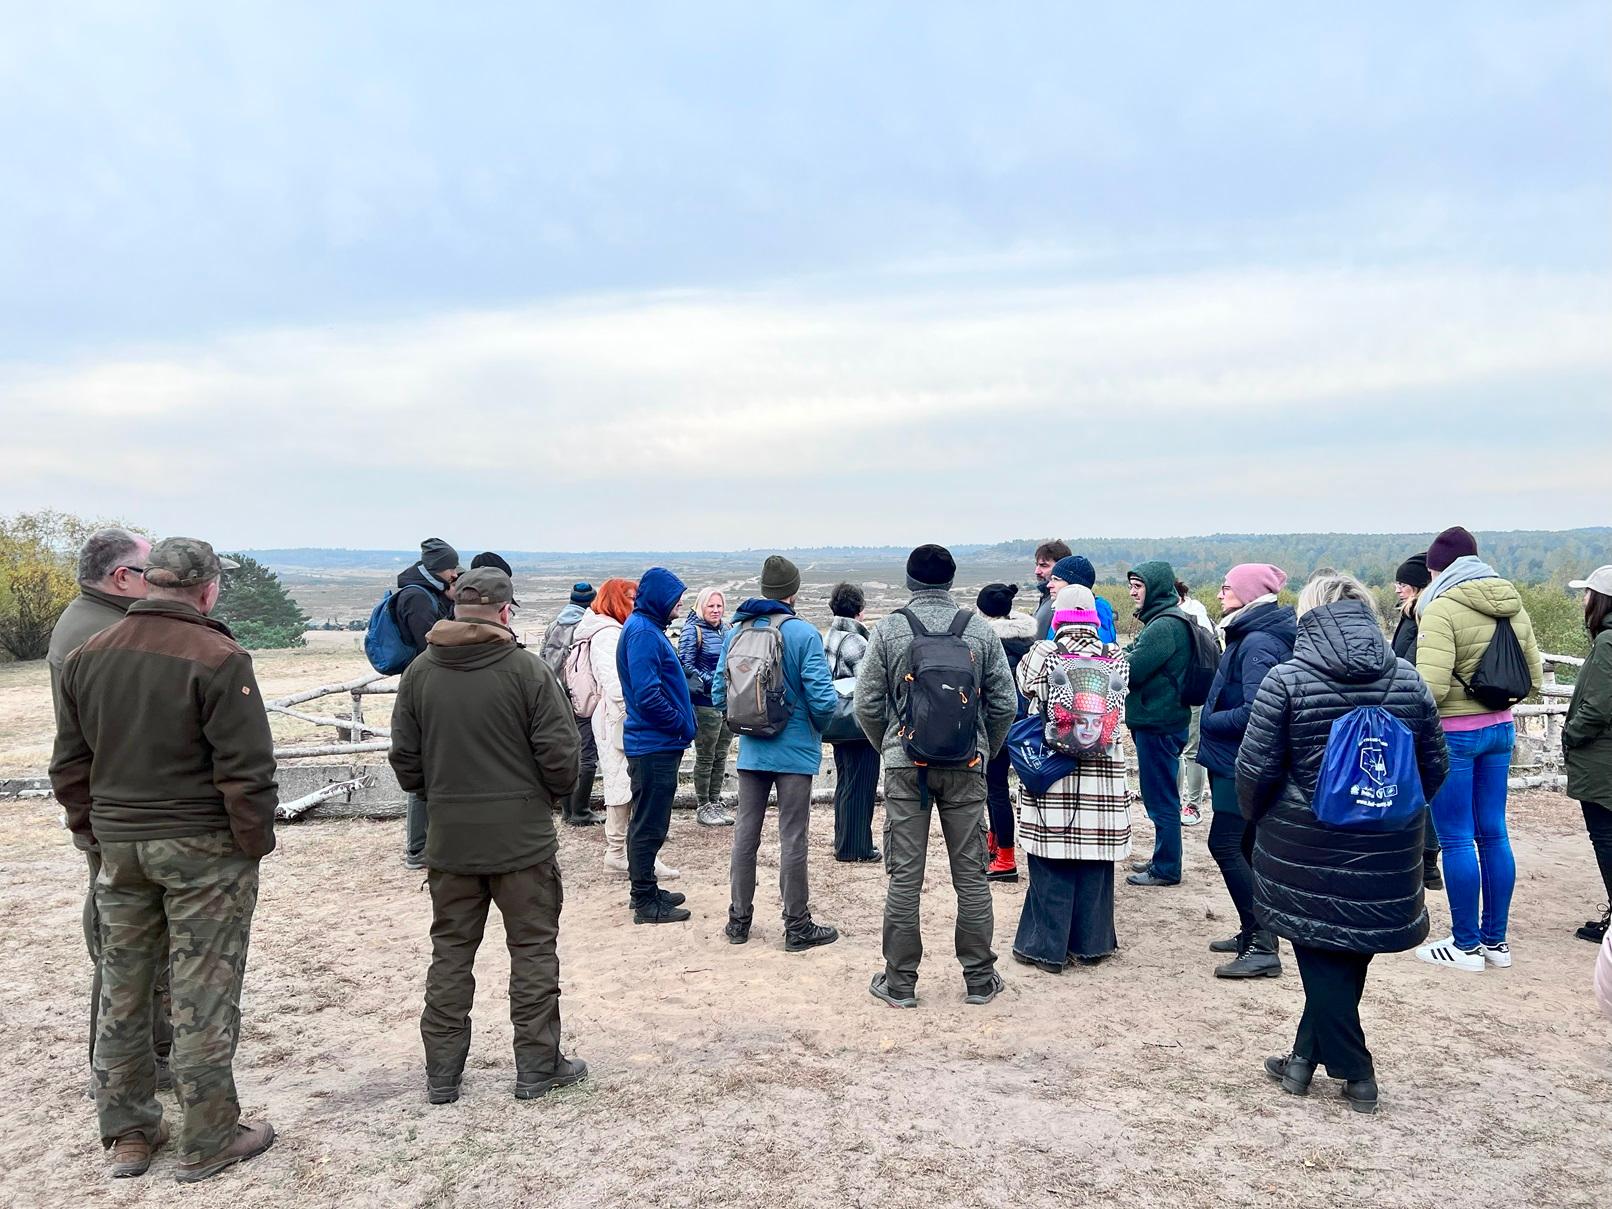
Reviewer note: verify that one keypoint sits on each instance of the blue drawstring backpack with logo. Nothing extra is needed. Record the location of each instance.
(1369, 780)
(1039, 766)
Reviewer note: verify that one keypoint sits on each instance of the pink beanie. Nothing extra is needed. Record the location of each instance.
(1252, 580)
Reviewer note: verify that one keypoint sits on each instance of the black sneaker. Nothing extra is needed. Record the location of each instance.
(1051, 967)
(672, 898)
(566, 1072)
(879, 988)
(1594, 930)
(442, 1089)
(658, 912)
(809, 936)
(737, 931)
(985, 991)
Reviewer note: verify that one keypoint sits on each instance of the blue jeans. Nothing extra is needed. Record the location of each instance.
(1469, 812)
(1158, 767)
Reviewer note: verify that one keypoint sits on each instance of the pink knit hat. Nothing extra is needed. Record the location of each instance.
(1252, 580)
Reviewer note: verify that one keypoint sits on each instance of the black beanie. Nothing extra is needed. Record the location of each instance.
(780, 578)
(1449, 546)
(1413, 572)
(930, 567)
(996, 600)
(488, 559)
(438, 556)
(582, 593)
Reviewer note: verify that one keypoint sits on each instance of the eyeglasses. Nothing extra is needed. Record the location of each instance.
(126, 567)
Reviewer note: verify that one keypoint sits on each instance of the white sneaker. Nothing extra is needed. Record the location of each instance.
(665, 873)
(1498, 955)
(1191, 816)
(1445, 953)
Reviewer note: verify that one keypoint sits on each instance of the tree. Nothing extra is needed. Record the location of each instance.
(257, 608)
(38, 576)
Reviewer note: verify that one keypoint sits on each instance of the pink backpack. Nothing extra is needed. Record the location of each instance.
(578, 678)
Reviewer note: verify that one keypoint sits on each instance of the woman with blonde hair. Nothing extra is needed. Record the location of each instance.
(699, 648)
(1338, 893)
(600, 631)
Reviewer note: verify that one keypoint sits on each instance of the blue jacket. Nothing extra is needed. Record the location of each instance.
(1105, 623)
(1257, 639)
(660, 716)
(807, 686)
(699, 649)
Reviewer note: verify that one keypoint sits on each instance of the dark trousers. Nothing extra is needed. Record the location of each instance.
(581, 800)
(654, 786)
(1598, 822)
(415, 817)
(958, 796)
(1329, 1031)
(529, 901)
(162, 1029)
(1158, 768)
(998, 801)
(1231, 844)
(856, 780)
(794, 817)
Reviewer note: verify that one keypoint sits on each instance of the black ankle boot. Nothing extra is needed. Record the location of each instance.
(1257, 960)
(1361, 1094)
(1292, 1072)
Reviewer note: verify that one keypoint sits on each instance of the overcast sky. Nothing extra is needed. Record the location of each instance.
(738, 275)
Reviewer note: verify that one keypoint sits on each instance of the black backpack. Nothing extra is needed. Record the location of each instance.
(1501, 678)
(939, 715)
(1202, 661)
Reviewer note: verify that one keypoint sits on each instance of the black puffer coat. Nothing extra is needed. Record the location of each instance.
(1316, 885)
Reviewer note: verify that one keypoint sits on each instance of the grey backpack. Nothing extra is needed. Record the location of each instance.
(756, 703)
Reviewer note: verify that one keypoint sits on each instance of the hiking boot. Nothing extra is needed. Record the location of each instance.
(879, 988)
(672, 898)
(1150, 879)
(414, 864)
(737, 931)
(808, 936)
(985, 991)
(1257, 960)
(441, 1089)
(1594, 930)
(709, 814)
(1191, 815)
(1292, 1072)
(252, 1138)
(131, 1154)
(1361, 1094)
(658, 912)
(1498, 956)
(529, 1086)
(1003, 867)
(1445, 953)
(1051, 967)
(1232, 944)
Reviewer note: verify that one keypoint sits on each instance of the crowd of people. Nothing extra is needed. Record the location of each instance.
(164, 767)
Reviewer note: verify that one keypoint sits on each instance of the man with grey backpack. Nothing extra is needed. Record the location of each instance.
(934, 692)
(773, 685)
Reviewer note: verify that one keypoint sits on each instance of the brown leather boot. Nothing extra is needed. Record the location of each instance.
(131, 1154)
(252, 1138)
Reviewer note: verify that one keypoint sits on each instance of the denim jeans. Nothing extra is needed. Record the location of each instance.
(1194, 776)
(1158, 767)
(654, 786)
(1469, 812)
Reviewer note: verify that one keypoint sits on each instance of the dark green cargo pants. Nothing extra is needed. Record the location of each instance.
(162, 1033)
(529, 900)
(190, 900)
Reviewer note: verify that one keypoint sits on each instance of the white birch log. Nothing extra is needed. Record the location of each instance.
(325, 690)
(339, 723)
(331, 749)
(336, 789)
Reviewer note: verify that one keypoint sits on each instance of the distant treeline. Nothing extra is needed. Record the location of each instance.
(1530, 556)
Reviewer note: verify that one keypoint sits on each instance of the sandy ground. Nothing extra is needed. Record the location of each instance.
(736, 1075)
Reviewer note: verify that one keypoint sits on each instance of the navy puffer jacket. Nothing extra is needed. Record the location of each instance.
(1257, 639)
(1357, 891)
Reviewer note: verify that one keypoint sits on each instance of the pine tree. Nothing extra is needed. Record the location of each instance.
(257, 608)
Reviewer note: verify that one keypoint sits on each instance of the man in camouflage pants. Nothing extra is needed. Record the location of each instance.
(164, 759)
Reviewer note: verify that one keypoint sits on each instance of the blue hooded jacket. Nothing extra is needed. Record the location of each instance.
(807, 687)
(1257, 639)
(660, 716)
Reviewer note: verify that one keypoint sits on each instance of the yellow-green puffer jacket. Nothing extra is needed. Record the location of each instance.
(1456, 630)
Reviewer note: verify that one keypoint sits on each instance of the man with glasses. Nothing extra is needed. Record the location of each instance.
(111, 577)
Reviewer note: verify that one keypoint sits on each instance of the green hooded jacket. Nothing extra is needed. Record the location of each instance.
(1587, 733)
(484, 732)
(1160, 654)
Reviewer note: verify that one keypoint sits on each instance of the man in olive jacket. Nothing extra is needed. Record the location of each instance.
(111, 577)
(164, 761)
(1155, 716)
(484, 732)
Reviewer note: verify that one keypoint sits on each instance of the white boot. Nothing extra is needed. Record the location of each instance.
(665, 873)
(615, 854)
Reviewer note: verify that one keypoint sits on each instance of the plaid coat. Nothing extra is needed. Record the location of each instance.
(1085, 816)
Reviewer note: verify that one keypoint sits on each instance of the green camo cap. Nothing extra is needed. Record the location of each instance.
(184, 562)
(483, 586)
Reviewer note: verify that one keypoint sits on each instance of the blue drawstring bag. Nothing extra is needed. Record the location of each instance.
(1369, 780)
(1039, 766)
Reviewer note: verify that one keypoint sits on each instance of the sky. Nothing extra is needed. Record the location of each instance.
(706, 276)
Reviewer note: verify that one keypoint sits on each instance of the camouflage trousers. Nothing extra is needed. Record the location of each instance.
(162, 1033)
(198, 893)
(529, 900)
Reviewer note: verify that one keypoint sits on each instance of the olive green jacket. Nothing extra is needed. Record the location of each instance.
(1160, 655)
(90, 612)
(484, 732)
(1587, 733)
(1454, 632)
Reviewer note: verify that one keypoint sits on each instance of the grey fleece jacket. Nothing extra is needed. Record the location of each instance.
(888, 660)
